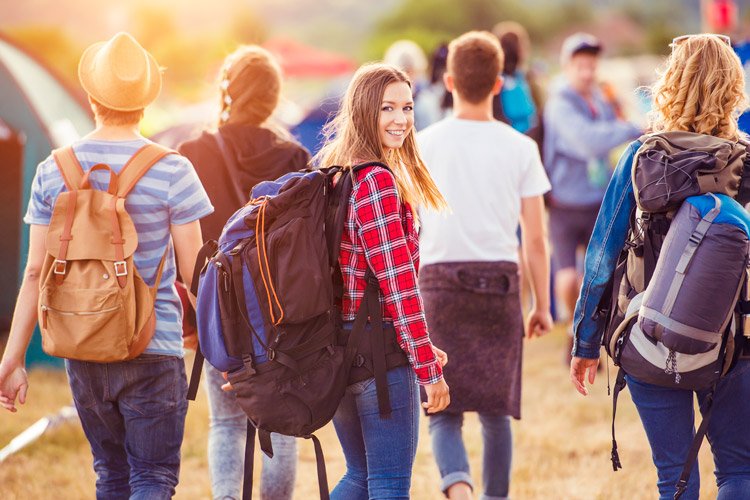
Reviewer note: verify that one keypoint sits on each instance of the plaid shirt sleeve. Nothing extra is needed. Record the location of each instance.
(378, 218)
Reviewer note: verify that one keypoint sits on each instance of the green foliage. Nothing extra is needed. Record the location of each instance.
(191, 61)
(429, 22)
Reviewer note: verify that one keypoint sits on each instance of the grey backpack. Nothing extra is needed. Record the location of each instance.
(671, 315)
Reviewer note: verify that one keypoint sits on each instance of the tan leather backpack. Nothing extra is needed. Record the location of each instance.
(93, 304)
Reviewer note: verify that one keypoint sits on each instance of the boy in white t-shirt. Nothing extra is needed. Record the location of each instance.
(493, 179)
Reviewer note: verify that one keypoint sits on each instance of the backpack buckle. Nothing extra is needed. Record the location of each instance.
(121, 268)
(249, 366)
(60, 266)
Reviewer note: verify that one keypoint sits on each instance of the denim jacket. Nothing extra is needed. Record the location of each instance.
(607, 240)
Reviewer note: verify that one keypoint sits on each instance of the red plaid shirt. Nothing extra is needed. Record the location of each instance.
(379, 231)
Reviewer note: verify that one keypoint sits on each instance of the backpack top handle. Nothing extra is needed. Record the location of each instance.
(86, 180)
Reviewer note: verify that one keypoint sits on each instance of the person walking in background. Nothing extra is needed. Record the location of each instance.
(580, 130)
(376, 124)
(407, 56)
(246, 149)
(701, 92)
(435, 101)
(519, 102)
(132, 412)
(492, 178)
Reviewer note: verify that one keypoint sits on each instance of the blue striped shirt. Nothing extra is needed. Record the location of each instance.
(169, 193)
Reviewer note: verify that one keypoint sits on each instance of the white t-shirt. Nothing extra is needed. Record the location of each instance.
(483, 169)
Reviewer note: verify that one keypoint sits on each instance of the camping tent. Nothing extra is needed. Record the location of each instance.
(37, 113)
(300, 60)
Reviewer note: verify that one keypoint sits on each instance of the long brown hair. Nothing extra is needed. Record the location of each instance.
(701, 90)
(353, 137)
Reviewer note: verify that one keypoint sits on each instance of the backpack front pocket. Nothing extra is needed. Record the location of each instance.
(86, 325)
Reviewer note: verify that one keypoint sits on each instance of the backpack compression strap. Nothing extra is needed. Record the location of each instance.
(69, 167)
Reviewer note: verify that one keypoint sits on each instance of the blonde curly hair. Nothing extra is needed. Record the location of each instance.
(701, 90)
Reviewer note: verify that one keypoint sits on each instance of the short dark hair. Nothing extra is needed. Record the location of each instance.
(474, 61)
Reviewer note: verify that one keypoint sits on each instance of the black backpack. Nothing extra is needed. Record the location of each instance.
(669, 168)
(268, 312)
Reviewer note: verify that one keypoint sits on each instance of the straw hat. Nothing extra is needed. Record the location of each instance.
(120, 74)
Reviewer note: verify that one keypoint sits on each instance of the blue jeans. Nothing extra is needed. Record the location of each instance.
(226, 449)
(668, 418)
(452, 461)
(379, 451)
(133, 414)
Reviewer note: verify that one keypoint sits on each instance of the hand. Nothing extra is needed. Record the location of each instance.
(190, 341)
(438, 396)
(228, 386)
(539, 323)
(441, 356)
(578, 368)
(13, 383)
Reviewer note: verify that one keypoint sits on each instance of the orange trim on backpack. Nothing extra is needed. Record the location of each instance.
(260, 239)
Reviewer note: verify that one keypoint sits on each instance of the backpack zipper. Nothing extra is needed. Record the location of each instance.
(73, 313)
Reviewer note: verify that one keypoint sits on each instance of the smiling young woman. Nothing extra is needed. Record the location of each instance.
(396, 115)
(376, 124)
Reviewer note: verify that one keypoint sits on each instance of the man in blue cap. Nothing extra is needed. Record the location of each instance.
(581, 127)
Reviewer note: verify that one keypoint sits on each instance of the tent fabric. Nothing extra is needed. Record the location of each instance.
(300, 60)
(41, 114)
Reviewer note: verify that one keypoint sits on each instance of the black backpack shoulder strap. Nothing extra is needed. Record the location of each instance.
(233, 169)
(743, 195)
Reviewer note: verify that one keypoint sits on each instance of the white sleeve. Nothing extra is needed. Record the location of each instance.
(534, 181)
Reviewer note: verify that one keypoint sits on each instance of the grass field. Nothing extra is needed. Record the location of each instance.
(562, 445)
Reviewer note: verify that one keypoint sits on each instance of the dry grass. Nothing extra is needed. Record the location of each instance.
(562, 445)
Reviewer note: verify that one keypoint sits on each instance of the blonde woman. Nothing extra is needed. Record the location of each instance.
(376, 124)
(701, 91)
(246, 149)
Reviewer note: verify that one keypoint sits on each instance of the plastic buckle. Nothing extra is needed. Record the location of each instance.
(60, 266)
(247, 361)
(121, 268)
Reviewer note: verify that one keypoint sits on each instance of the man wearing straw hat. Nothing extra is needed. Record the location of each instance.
(132, 412)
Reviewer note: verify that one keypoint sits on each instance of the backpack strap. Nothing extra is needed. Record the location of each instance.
(139, 164)
(619, 386)
(247, 481)
(232, 168)
(692, 456)
(72, 175)
(321, 467)
(69, 167)
(743, 195)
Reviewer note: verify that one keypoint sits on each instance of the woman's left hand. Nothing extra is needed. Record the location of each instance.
(441, 356)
